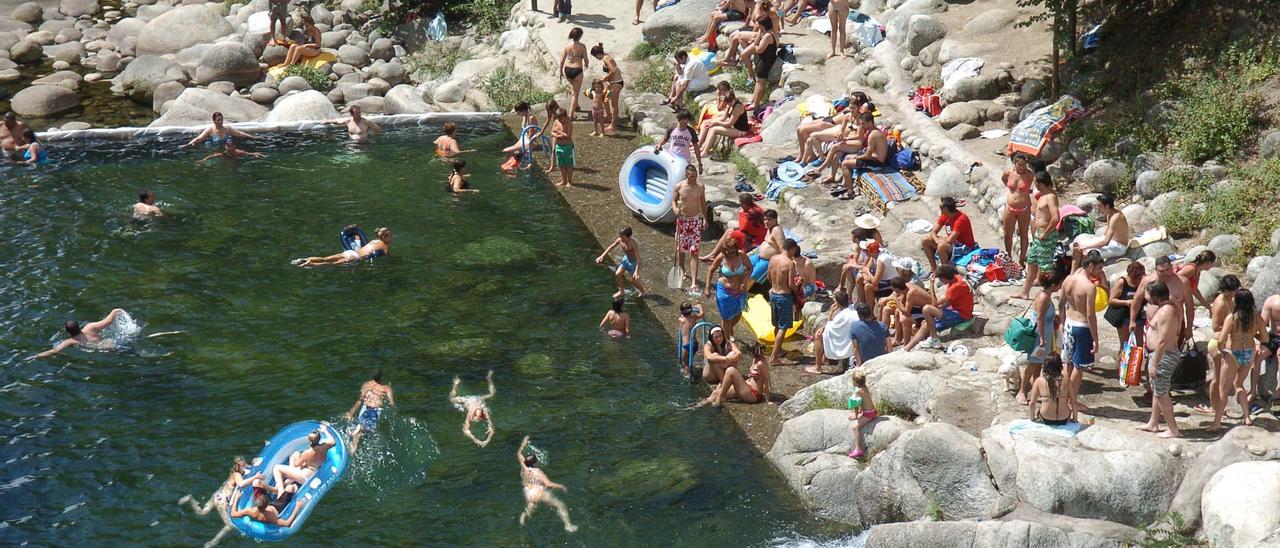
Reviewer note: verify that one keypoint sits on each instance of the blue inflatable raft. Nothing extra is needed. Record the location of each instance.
(353, 238)
(647, 181)
(288, 440)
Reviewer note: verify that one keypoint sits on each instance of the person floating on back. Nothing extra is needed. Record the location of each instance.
(476, 409)
(374, 249)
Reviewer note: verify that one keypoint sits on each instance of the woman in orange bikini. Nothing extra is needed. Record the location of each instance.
(1017, 210)
(751, 389)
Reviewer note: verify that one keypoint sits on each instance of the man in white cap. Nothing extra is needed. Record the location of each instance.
(906, 267)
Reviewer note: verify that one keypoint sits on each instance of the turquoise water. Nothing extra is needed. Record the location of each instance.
(96, 447)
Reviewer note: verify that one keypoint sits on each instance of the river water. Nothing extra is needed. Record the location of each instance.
(96, 447)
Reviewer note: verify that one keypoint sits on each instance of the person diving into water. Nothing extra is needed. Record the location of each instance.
(89, 335)
(476, 409)
(537, 488)
(369, 405)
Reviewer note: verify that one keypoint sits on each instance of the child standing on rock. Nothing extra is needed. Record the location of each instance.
(629, 269)
(862, 414)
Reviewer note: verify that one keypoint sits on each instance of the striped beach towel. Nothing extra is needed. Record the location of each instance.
(891, 186)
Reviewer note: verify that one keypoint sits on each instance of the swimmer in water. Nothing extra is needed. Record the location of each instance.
(11, 137)
(263, 512)
(89, 334)
(360, 129)
(619, 322)
(222, 497)
(303, 464)
(231, 151)
(447, 144)
(217, 133)
(476, 409)
(372, 392)
(145, 207)
(372, 250)
(537, 488)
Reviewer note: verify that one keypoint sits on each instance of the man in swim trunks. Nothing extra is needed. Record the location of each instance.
(1044, 233)
(11, 132)
(1164, 354)
(908, 302)
(782, 284)
(89, 334)
(691, 207)
(1114, 243)
(359, 128)
(279, 10)
(369, 405)
(476, 409)
(1080, 330)
(1266, 391)
(956, 238)
(955, 307)
(304, 464)
(727, 10)
(374, 249)
(262, 511)
(768, 249)
(628, 270)
(1179, 297)
(145, 207)
(537, 488)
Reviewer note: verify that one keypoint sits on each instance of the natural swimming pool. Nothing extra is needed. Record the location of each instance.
(97, 447)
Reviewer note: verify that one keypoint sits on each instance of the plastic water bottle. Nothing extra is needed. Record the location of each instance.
(437, 29)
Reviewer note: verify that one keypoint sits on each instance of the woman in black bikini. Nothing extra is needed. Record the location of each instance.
(732, 123)
(613, 83)
(766, 47)
(1047, 403)
(573, 62)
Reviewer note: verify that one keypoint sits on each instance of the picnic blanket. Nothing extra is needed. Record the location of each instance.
(884, 187)
(1034, 133)
(1068, 430)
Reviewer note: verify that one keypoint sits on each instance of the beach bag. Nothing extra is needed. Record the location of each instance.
(1192, 369)
(1021, 334)
(906, 160)
(1133, 356)
(1076, 225)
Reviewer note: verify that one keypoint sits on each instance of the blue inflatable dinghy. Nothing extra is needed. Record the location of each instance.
(647, 181)
(353, 238)
(288, 440)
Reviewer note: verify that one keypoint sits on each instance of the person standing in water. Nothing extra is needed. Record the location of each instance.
(476, 409)
(145, 207)
(89, 334)
(691, 207)
(537, 488)
(619, 322)
(217, 134)
(369, 405)
(11, 136)
(360, 129)
(447, 144)
(628, 270)
(222, 497)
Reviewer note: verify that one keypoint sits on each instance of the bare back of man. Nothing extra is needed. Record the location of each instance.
(782, 279)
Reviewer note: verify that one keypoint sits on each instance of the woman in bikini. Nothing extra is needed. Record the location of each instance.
(1017, 204)
(732, 123)
(306, 50)
(372, 250)
(1243, 326)
(613, 83)
(217, 134)
(1048, 404)
(811, 135)
(746, 36)
(222, 497)
(734, 273)
(753, 388)
(573, 63)
(721, 354)
(849, 139)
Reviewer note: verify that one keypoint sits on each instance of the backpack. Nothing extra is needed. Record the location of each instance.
(905, 159)
(1021, 334)
(1076, 225)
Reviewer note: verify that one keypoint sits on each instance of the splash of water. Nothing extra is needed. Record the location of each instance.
(124, 330)
(793, 540)
(395, 456)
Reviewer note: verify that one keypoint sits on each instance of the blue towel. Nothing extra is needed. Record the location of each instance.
(1068, 430)
(787, 233)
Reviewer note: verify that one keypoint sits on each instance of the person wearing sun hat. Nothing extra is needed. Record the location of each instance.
(870, 223)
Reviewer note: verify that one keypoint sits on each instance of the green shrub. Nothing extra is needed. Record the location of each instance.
(738, 81)
(435, 60)
(1216, 117)
(654, 77)
(823, 399)
(747, 169)
(1182, 219)
(318, 81)
(507, 86)
(485, 16)
(1165, 532)
(1183, 180)
(645, 50)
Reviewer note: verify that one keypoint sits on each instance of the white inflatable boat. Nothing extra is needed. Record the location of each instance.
(647, 182)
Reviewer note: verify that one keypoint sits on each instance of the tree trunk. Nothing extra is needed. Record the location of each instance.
(1056, 83)
(1072, 24)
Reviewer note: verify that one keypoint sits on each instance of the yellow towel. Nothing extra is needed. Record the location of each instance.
(321, 59)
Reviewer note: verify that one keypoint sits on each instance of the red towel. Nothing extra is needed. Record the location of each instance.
(753, 138)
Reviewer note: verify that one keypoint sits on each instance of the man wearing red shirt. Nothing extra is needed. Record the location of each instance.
(750, 233)
(955, 307)
(956, 241)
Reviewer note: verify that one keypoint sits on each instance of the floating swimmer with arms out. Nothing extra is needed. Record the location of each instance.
(537, 488)
(222, 497)
(369, 405)
(476, 409)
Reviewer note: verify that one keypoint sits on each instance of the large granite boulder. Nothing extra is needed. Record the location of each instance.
(44, 100)
(141, 77)
(228, 61)
(406, 99)
(1103, 175)
(77, 8)
(984, 86)
(923, 30)
(182, 27)
(1241, 504)
(303, 106)
(683, 22)
(196, 106)
(780, 128)
(1268, 282)
(129, 27)
(948, 179)
(166, 92)
(899, 23)
(983, 534)
(30, 13)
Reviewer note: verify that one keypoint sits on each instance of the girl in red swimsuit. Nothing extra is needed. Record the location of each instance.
(751, 389)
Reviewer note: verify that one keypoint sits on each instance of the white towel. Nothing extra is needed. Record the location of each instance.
(958, 69)
(837, 336)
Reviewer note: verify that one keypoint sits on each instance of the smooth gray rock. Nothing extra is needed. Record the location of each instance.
(981, 87)
(955, 114)
(900, 22)
(182, 27)
(369, 105)
(303, 106)
(1225, 245)
(1103, 175)
(1148, 184)
(923, 30)
(293, 83)
(948, 179)
(65, 78)
(1257, 266)
(30, 13)
(334, 38)
(128, 27)
(1005, 532)
(1158, 205)
(963, 132)
(274, 55)
(780, 128)
(196, 105)
(42, 101)
(1241, 504)
(1159, 249)
(475, 71)
(165, 92)
(406, 99)
(142, 75)
(107, 61)
(382, 48)
(393, 73)
(1268, 282)
(452, 91)
(77, 8)
(684, 21)
(990, 22)
(1135, 213)
(1269, 144)
(228, 62)
(263, 94)
(15, 26)
(25, 52)
(378, 86)
(355, 92)
(353, 55)
(321, 15)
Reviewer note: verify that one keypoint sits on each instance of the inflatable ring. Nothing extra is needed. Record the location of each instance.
(647, 182)
(790, 172)
(288, 440)
(353, 238)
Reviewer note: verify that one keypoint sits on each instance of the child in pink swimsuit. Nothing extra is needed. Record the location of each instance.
(863, 414)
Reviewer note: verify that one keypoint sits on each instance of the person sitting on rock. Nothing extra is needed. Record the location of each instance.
(1114, 243)
(690, 77)
(726, 10)
(308, 48)
(874, 155)
(955, 307)
(956, 238)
